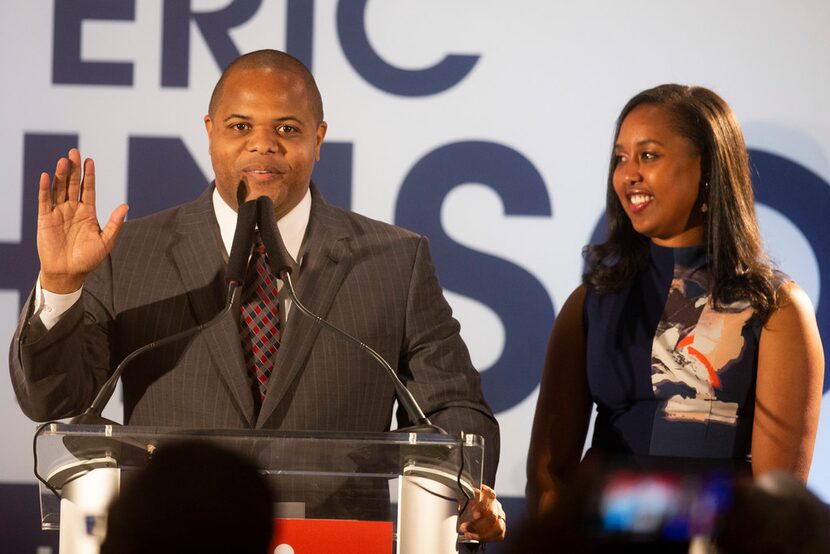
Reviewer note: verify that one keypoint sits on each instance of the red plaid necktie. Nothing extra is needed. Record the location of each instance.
(260, 319)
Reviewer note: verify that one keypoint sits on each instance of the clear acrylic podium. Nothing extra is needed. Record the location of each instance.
(413, 482)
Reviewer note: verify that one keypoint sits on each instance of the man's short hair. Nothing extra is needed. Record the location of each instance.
(277, 61)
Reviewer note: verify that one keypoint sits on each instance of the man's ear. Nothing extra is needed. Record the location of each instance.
(321, 134)
(208, 124)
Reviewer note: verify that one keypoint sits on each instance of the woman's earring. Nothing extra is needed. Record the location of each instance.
(704, 206)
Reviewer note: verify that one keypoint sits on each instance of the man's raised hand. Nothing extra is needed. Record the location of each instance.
(70, 243)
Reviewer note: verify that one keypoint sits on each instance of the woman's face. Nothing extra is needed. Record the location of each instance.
(657, 178)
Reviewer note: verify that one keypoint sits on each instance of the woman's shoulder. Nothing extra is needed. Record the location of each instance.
(789, 296)
(575, 302)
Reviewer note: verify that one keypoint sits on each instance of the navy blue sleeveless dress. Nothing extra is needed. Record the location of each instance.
(670, 376)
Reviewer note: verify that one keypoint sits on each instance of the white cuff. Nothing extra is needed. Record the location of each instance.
(51, 306)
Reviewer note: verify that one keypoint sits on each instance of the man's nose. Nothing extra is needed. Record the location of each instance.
(263, 140)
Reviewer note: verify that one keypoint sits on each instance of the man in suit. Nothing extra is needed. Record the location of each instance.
(98, 300)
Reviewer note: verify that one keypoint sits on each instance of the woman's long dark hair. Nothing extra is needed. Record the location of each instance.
(739, 267)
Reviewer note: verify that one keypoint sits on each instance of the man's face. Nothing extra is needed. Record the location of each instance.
(263, 135)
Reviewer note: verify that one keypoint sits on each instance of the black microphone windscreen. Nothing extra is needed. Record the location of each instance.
(243, 238)
(278, 257)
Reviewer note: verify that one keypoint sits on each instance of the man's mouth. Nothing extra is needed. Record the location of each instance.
(261, 173)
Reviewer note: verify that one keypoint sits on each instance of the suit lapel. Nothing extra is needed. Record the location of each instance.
(325, 264)
(200, 258)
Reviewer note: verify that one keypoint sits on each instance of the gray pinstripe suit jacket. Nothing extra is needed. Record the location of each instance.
(166, 274)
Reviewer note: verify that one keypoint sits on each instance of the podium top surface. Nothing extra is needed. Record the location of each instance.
(179, 433)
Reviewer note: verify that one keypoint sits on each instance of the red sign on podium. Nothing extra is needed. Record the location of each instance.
(331, 536)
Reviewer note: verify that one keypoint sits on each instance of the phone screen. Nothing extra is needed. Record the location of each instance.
(662, 505)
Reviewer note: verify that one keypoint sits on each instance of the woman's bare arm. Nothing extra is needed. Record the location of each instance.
(563, 409)
(789, 387)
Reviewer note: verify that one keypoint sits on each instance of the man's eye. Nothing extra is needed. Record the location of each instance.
(648, 156)
(239, 126)
(287, 129)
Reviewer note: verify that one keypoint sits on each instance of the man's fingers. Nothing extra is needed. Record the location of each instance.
(487, 519)
(59, 182)
(88, 183)
(112, 227)
(44, 195)
(484, 532)
(73, 190)
(487, 493)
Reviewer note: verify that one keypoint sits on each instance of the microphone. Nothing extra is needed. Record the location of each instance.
(235, 276)
(278, 257)
(280, 261)
(243, 238)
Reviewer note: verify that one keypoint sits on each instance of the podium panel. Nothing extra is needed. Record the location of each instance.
(323, 536)
(405, 488)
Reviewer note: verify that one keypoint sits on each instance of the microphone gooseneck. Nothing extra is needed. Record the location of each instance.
(237, 263)
(280, 261)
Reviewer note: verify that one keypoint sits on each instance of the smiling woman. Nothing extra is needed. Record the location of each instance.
(657, 178)
(694, 349)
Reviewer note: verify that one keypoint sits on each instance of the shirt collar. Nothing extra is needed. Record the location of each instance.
(292, 225)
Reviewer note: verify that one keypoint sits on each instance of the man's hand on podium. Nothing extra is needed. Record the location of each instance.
(484, 518)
